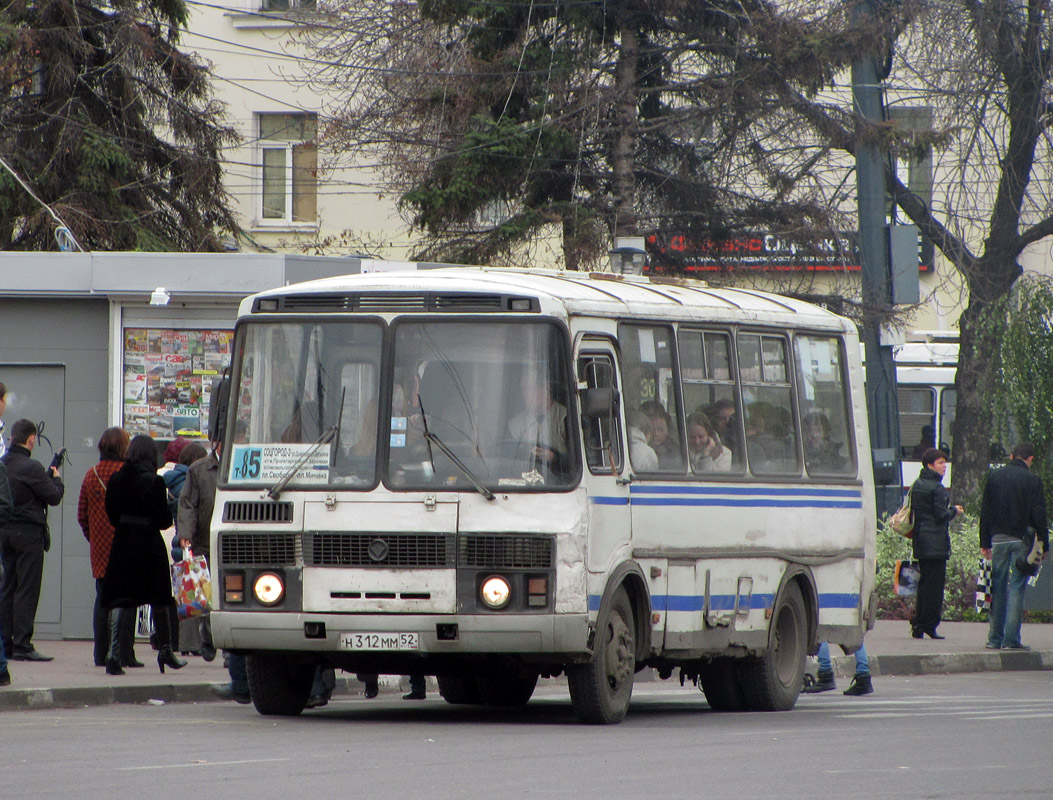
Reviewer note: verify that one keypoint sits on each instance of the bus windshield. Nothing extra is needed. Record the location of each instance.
(314, 406)
(492, 393)
(299, 384)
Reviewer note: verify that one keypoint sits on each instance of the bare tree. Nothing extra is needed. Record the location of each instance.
(499, 124)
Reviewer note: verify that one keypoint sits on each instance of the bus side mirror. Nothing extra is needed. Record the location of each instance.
(218, 404)
(599, 403)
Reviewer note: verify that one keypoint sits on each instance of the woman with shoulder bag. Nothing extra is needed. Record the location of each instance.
(137, 573)
(933, 513)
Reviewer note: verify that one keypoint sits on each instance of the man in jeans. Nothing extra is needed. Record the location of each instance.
(1013, 502)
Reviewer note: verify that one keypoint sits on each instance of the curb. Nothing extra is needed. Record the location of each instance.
(949, 663)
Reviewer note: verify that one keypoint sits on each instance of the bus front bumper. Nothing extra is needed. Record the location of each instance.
(564, 634)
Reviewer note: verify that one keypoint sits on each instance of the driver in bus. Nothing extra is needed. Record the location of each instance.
(541, 427)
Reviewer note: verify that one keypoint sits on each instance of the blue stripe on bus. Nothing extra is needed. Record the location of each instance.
(736, 497)
(726, 602)
(795, 491)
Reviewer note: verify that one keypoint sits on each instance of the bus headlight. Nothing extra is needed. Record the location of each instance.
(268, 588)
(495, 592)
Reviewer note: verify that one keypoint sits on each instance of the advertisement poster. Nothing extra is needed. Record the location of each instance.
(168, 377)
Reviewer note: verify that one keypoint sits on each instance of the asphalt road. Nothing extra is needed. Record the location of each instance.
(950, 736)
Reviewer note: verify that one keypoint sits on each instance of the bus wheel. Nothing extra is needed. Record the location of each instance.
(279, 685)
(506, 689)
(773, 682)
(459, 689)
(719, 681)
(600, 689)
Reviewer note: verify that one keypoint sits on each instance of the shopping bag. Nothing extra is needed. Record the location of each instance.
(983, 586)
(906, 578)
(192, 586)
(902, 522)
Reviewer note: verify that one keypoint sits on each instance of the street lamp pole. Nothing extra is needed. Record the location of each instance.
(876, 279)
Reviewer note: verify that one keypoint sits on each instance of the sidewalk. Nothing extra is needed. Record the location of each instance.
(71, 681)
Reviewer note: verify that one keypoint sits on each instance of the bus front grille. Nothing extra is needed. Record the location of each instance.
(503, 551)
(382, 550)
(257, 549)
(254, 511)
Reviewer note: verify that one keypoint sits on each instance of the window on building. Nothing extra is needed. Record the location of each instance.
(289, 161)
(286, 5)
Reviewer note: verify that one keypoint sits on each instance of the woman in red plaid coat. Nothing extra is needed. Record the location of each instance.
(91, 514)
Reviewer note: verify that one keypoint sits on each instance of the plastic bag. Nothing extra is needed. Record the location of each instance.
(906, 578)
(192, 586)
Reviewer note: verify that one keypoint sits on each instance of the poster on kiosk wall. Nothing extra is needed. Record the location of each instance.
(168, 377)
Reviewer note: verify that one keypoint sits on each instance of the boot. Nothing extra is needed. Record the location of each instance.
(824, 683)
(166, 657)
(113, 658)
(860, 685)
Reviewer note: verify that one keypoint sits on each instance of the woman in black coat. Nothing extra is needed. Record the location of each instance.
(138, 573)
(931, 504)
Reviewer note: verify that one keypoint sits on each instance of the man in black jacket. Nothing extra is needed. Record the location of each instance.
(6, 507)
(22, 541)
(1014, 502)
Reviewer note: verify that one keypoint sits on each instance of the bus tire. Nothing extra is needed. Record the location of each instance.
(773, 681)
(278, 684)
(601, 688)
(459, 689)
(719, 681)
(506, 689)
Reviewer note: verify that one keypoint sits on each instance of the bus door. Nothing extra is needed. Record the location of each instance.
(605, 482)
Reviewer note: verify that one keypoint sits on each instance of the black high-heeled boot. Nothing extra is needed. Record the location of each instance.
(113, 659)
(163, 626)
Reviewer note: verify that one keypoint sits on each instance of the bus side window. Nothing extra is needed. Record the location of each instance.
(603, 444)
(917, 418)
(650, 387)
(771, 430)
(822, 399)
(710, 399)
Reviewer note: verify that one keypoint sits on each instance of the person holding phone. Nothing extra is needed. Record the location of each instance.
(24, 540)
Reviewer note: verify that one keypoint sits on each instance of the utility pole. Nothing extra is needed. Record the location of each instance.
(876, 281)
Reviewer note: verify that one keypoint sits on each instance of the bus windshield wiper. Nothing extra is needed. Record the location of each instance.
(326, 437)
(431, 438)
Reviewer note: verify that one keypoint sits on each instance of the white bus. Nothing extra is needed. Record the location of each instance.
(927, 400)
(491, 475)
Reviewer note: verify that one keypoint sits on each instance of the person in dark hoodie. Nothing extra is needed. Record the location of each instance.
(931, 504)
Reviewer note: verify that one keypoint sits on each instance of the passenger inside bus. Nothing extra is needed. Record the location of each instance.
(765, 437)
(540, 429)
(665, 446)
(928, 439)
(641, 455)
(723, 414)
(707, 453)
(821, 452)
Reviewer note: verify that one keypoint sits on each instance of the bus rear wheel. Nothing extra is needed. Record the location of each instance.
(773, 681)
(279, 684)
(600, 689)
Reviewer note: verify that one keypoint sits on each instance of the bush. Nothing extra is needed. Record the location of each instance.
(959, 595)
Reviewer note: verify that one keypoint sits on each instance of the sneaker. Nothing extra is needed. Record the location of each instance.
(226, 692)
(317, 701)
(1016, 647)
(5, 678)
(861, 684)
(990, 646)
(823, 683)
(414, 696)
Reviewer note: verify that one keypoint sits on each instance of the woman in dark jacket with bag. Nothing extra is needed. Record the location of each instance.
(138, 573)
(931, 504)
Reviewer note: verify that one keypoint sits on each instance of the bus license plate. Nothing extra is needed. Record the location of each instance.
(380, 641)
